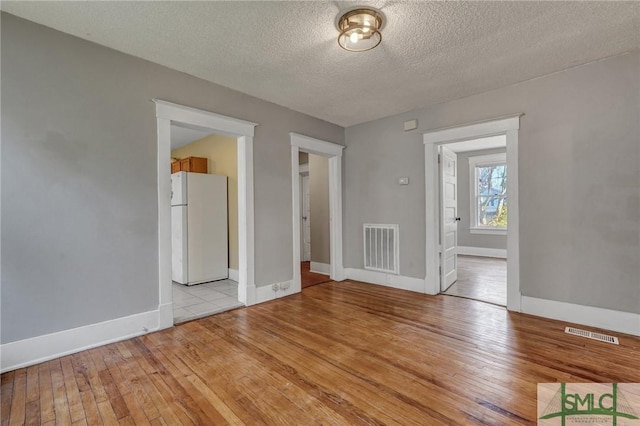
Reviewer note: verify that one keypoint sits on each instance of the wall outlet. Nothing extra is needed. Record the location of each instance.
(275, 287)
(285, 285)
(403, 181)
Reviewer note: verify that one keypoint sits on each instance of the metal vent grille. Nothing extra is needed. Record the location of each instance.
(381, 248)
(591, 335)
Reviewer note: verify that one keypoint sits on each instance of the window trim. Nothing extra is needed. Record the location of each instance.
(482, 161)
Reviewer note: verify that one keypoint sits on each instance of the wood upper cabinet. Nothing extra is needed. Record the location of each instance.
(190, 164)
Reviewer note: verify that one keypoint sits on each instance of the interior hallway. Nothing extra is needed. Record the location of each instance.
(481, 278)
(309, 278)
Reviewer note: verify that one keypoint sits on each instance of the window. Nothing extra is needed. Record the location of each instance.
(488, 181)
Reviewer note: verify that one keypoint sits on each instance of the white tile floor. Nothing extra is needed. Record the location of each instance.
(201, 300)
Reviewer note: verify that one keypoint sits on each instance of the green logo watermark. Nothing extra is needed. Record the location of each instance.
(588, 403)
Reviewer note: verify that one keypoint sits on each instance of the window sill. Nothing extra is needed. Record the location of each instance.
(488, 231)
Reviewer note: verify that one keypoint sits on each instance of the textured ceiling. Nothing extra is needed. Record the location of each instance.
(183, 136)
(491, 142)
(286, 52)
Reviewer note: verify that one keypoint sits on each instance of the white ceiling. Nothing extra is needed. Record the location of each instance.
(286, 52)
(182, 136)
(490, 142)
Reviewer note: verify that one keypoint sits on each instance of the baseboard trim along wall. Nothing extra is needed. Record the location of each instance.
(389, 280)
(320, 268)
(481, 251)
(607, 319)
(234, 275)
(274, 291)
(23, 353)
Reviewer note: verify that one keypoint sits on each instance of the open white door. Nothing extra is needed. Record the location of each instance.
(448, 218)
(305, 219)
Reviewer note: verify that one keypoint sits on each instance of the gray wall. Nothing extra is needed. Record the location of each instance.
(319, 208)
(466, 238)
(579, 170)
(79, 203)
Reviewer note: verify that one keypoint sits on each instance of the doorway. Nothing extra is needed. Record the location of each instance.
(333, 155)
(204, 223)
(168, 113)
(305, 209)
(508, 127)
(473, 219)
(314, 220)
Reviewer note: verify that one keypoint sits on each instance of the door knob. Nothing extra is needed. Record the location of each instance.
(457, 219)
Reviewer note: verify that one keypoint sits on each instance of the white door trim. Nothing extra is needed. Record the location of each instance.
(243, 131)
(334, 153)
(509, 126)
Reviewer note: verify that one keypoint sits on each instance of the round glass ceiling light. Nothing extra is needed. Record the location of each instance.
(360, 29)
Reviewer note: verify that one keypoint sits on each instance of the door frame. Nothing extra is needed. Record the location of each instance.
(332, 151)
(243, 131)
(509, 126)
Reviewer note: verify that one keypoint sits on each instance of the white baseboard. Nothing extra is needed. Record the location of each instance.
(165, 316)
(233, 275)
(622, 322)
(481, 251)
(266, 292)
(320, 268)
(247, 295)
(23, 353)
(387, 280)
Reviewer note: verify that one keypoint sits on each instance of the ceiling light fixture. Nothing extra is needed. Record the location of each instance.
(360, 29)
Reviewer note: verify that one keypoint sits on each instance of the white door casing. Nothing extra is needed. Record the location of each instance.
(448, 217)
(243, 131)
(508, 126)
(179, 240)
(334, 153)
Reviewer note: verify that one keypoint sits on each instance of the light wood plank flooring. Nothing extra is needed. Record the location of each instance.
(481, 278)
(339, 353)
(308, 278)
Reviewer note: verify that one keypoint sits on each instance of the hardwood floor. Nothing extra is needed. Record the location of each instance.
(308, 278)
(481, 278)
(338, 353)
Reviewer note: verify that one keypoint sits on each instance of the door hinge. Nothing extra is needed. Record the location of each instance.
(438, 158)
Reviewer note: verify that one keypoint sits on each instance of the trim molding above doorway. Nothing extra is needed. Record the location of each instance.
(243, 131)
(508, 126)
(332, 151)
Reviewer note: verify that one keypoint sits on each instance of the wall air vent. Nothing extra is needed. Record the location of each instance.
(591, 335)
(381, 252)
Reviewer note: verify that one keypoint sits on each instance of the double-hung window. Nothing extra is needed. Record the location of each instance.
(488, 189)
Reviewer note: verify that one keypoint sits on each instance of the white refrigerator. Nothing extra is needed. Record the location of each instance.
(199, 231)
